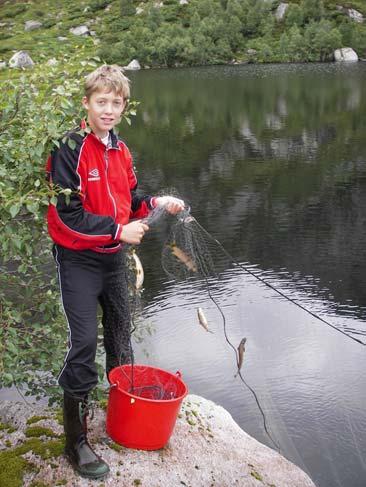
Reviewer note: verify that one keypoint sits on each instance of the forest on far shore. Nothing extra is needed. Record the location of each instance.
(169, 33)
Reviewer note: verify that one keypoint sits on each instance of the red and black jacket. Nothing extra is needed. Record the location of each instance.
(103, 192)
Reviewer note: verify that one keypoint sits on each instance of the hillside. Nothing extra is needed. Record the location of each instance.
(183, 32)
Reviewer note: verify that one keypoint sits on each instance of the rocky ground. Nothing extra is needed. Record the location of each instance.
(206, 449)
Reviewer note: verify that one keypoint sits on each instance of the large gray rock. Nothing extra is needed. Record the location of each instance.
(206, 448)
(81, 30)
(21, 59)
(134, 65)
(355, 15)
(281, 11)
(346, 54)
(32, 25)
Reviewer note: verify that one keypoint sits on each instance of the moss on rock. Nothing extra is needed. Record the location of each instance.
(37, 431)
(13, 465)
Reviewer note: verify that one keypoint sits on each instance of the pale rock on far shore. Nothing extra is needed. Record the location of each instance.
(134, 65)
(32, 25)
(355, 15)
(183, 2)
(21, 59)
(81, 30)
(281, 11)
(345, 54)
(2, 64)
(52, 62)
(207, 448)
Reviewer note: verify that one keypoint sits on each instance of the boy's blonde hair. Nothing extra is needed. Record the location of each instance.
(110, 77)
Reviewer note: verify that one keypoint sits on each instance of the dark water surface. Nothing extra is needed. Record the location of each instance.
(272, 161)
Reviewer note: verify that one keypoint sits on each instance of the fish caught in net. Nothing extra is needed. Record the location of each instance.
(191, 252)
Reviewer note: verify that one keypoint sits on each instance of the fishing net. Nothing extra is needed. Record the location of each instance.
(191, 252)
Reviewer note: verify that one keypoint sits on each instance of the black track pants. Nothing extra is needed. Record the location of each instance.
(86, 279)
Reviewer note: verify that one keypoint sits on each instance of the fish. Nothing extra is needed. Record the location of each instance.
(241, 350)
(202, 320)
(139, 270)
(183, 257)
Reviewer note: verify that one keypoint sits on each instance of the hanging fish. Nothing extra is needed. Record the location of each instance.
(202, 320)
(183, 257)
(139, 270)
(241, 350)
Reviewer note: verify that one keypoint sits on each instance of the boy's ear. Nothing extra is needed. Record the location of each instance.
(85, 102)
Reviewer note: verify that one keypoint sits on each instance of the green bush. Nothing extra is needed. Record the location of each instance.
(12, 10)
(35, 111)
(96, 5)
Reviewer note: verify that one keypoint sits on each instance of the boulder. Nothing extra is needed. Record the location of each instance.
(207, 448)
(355, 15)
(251, 52)
(134, 65)
(2, 65)
(32, 25)
(61, 38)
(183, 2)
(281, 11)
(81, 30)
(21, 59)
(52, 62)
(346, 54)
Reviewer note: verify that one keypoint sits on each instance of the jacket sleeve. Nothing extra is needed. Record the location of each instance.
(65, 173)
(141, 204)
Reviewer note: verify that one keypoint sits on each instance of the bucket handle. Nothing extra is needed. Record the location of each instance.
(178, 374)
(115, 384)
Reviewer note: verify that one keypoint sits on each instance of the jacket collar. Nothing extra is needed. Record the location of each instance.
(87, 130)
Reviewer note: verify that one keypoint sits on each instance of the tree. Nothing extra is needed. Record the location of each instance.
(322, 39)
(294, 15)
(313, 9)
(127, 7)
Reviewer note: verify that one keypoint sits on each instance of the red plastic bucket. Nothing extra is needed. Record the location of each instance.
(136, 418)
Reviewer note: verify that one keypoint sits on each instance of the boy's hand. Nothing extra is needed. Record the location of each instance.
(172, 205)
(133, 232)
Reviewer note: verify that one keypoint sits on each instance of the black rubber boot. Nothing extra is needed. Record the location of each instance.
(77, 449)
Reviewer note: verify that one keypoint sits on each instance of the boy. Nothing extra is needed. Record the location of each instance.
(88, 227)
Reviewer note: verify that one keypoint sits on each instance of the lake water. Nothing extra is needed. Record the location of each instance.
(272, 161)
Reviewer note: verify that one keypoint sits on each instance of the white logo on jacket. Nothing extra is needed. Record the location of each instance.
(94, 175)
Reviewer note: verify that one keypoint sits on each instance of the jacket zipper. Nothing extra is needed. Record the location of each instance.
(106, 173)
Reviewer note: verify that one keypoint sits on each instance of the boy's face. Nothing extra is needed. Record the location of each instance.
(104, 111)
